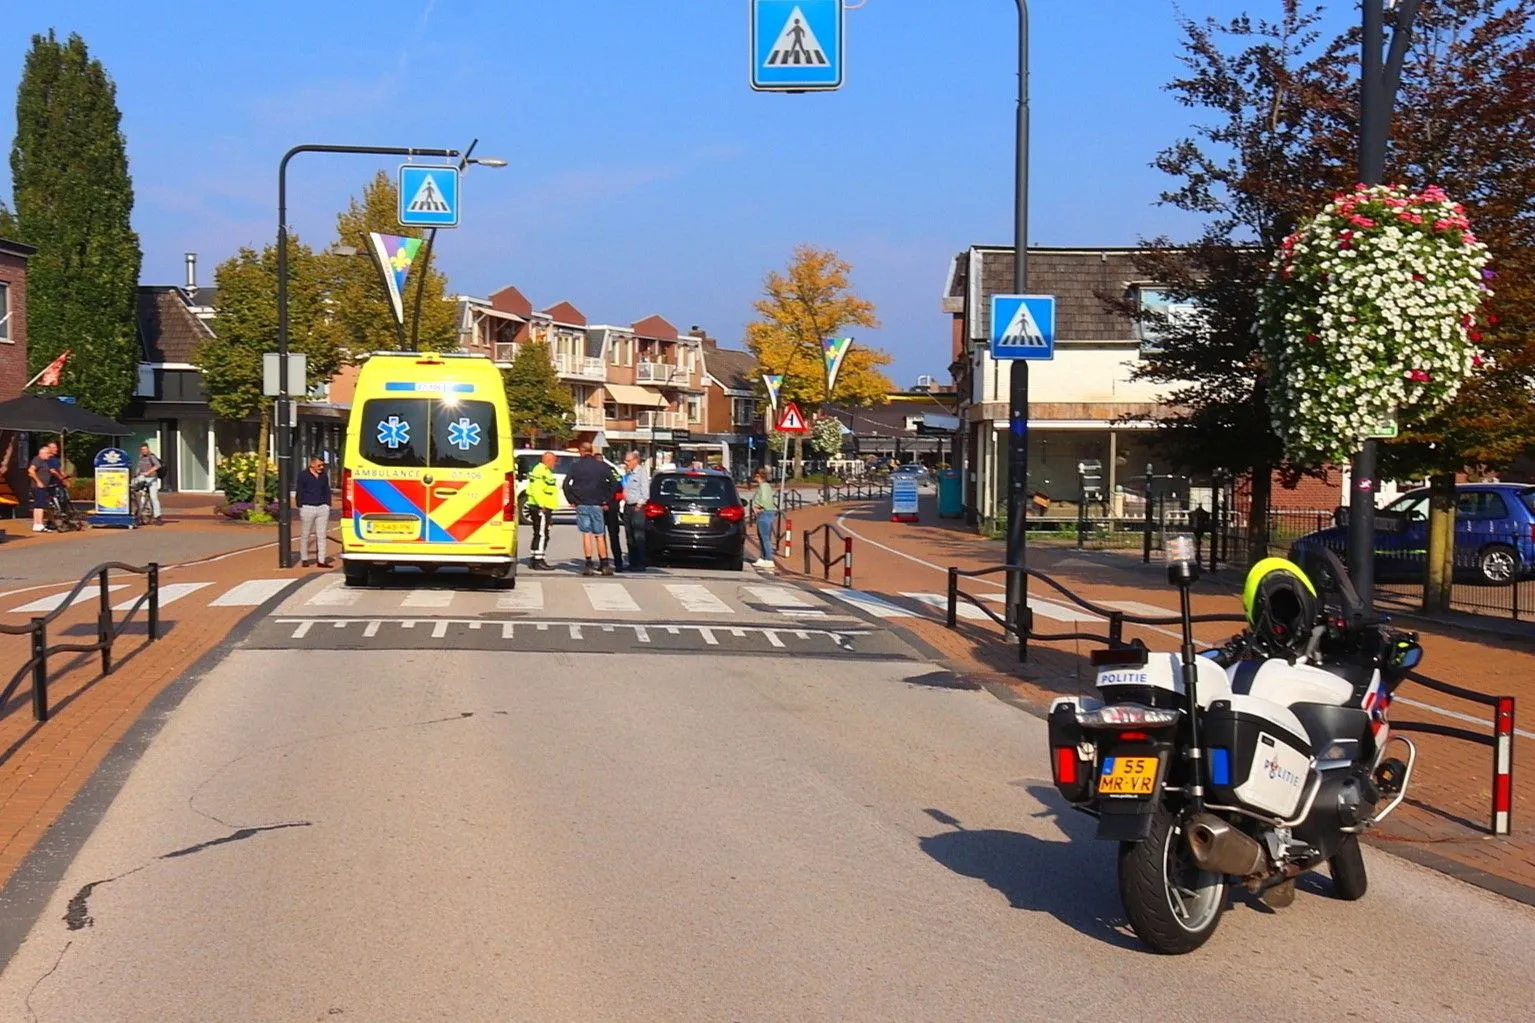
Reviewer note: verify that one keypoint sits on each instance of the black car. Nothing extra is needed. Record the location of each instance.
(696, 513)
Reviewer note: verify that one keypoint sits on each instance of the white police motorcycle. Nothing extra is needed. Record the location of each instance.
(1255, 762)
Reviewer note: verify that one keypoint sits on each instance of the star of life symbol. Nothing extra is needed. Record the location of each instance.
(393, 432)
(463, 434)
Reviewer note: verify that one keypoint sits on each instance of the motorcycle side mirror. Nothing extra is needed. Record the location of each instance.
(1406, 656)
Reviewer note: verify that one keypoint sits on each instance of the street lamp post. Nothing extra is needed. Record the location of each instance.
(1018, 389)
(1377, 94)
(284, 405)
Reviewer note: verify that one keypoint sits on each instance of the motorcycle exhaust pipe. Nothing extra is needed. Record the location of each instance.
(1217, 846)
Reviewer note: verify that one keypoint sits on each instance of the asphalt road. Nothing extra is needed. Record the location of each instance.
(24, 563)
(433, 834)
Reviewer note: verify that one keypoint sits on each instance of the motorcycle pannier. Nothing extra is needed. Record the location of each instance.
(1256, 759)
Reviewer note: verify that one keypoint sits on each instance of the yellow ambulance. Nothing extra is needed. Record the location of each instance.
(429, 478)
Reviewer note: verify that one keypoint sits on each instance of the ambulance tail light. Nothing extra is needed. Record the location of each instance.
(346, 493)
(509, 496)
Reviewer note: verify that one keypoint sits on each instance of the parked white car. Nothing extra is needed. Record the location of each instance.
(527, 458)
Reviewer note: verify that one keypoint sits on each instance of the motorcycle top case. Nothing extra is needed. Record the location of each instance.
(1257, 753)
(1159, 682)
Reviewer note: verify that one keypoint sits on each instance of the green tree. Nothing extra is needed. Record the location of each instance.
(74, 202)
(246, 327)
(361, 303)
(538, 403)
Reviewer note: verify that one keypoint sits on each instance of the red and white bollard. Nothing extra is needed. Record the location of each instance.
(847, 562)
(788, 538)
(1503, 768)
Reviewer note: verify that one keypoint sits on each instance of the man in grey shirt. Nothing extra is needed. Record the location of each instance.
(636, 493)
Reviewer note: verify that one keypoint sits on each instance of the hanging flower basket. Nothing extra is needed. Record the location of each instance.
(1372, 310)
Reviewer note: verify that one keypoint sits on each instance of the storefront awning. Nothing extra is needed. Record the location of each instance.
(632, 394)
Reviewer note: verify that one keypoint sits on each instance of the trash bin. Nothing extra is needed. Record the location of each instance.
(951, 502)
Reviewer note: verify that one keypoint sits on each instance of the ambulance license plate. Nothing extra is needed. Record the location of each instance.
(689, 519)
(1127, 776)
(391, 529)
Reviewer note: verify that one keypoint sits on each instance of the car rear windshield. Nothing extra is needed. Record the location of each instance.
(417, 433)
(562, 463)
(710, 491)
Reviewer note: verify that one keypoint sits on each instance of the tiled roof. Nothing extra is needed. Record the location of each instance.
(1075, 277)
(168, 330)
(655, 326)
(734, 369)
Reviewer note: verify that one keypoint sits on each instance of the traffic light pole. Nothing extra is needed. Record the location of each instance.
(1018, 388)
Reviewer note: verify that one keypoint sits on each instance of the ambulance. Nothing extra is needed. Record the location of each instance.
(429, 478)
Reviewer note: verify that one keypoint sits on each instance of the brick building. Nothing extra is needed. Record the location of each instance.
(13, 365)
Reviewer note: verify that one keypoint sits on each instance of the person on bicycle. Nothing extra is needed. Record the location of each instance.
(149, 478)
(45, 472)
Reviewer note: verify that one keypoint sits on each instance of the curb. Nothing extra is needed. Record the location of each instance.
(27, 893)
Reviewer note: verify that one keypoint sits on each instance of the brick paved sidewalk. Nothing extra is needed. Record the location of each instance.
(43, 766)
(1444, 823)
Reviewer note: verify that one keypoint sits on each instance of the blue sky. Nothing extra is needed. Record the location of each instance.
(645, 175)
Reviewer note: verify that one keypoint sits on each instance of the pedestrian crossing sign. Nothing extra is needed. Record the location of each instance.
(791, 420)
(1023, 327)
(428, 195)
(796, 45)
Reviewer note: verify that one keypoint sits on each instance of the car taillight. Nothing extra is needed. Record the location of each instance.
(654, 511)
(509, 496)
(732, 513)
(1065, 765)
(346, 493)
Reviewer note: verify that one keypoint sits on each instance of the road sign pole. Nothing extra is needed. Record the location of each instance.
(1018, 390)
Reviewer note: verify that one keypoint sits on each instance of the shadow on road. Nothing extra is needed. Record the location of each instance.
(1071, 879)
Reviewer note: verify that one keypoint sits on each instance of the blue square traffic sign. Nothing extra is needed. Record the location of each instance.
(428, 195)
(1023, 326)
(796, 45)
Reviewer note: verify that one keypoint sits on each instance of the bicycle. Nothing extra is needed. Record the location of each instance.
(139, 506)
(61, 513)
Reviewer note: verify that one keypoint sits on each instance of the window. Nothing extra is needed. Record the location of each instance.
(416, 433)
(1162, 315)
(1481, 504)
(1412, 506)
(742, 411)
(678, 488)
(1528, 497)
(695, 410)
(5, 313)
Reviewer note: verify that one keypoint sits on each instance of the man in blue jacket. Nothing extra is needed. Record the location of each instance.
(589, 488)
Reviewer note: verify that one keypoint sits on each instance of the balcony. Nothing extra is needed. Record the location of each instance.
(506, 351)
(662, 420)
(578, 367)
(659, 373)
(588, 416)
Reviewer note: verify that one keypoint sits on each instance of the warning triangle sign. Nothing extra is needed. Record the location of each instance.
(797, 45)
(791, 420)
(428, 198)
(1022, 330)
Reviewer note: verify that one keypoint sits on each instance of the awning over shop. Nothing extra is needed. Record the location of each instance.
(632, 394)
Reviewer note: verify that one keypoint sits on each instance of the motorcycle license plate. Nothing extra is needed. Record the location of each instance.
(688, 519)
(1127, 776)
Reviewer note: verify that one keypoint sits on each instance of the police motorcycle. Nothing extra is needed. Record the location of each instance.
(1253, 763)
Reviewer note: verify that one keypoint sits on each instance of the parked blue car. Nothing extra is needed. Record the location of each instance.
(1494, 534)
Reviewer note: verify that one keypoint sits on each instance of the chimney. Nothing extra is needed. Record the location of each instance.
(191, 258)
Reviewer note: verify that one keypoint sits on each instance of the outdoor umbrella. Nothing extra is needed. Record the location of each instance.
(49, 415)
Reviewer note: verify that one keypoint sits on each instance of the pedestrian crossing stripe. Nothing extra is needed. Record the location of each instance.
(251, 593)
(797, 45)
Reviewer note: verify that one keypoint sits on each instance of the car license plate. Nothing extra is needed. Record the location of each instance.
(391, 529)
(690, 519)
(1127, 776)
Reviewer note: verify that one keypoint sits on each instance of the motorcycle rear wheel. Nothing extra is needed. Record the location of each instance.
(1172, 905)
(1349, 880)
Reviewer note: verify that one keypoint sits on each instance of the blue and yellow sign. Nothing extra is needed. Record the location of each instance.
(113, 476)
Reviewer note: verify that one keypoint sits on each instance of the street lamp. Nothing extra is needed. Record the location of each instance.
(284, 403)
(1018, 387)
(1377, 94)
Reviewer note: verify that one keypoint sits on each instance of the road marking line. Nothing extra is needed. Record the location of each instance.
(302, 630)
(672, 629)
(250, 593)
(543, 626)
(427, 598)
(340, 623)
(609, 598)
(168, 592)
(868, 602)
(47, 604)
(1061, 612)
(528, 596)
(772, 638)
(708, 635)
(738, 633)
(371, 630)
(439, 630)
(802, 634)
(1135, 607)
(508, 630)
(408, 623)
(778, 597)
(475, 625)
(642, 634)
(697, 599)
(575, 631)
(335, 595)
(962, 608)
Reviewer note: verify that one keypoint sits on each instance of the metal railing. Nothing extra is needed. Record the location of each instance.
(662, 420)
(587, 415)
(1501, 740)
(657, 372)
(581, 367)
(823, 556)
(860, 490)
(106, 630)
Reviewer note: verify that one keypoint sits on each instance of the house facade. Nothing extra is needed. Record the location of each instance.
(13, 364)
(733, 414)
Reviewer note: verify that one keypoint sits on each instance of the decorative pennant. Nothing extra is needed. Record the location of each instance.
(395, 255)
(774, 383)
(835, 349)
